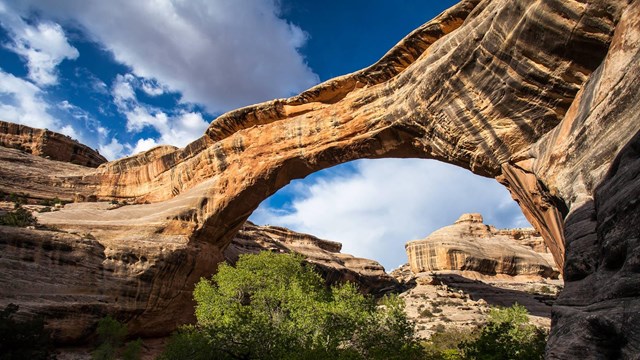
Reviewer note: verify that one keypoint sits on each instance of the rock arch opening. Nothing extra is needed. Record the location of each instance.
(373, 207)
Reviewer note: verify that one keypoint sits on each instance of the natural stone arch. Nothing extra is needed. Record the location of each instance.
(541, 95)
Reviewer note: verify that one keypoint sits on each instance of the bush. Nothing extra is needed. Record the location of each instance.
(19, 217)
(273, 306)
(445, 344)
(111, 334)
(426, 313)
(508, 335)
(26, 339)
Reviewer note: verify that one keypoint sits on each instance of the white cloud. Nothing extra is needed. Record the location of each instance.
(113, 150)
(178, 129)
(42, 45)
(222, 54)
(70, 132)
(152, 87)
(22, 102)
(143, 145)
(386, 203)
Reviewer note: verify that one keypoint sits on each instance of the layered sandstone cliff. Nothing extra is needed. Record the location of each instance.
(542, 96)
(45, 143)
(369, 275)
(470, 245)
(458, 272)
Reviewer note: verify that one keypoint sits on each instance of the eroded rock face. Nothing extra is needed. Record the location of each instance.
(540, 95)
(369, 275)
(48, 144)
(470, 245)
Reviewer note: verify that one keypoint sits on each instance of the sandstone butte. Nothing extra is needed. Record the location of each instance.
(457, 272)
(470, 245)
(540, 95)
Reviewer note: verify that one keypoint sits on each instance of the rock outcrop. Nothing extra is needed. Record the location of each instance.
(48, 144)
(470, 245)
(541, 96)
(334, 266)
(461, 299)
(457, 272)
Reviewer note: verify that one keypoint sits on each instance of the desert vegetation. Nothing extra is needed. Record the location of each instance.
(274, 306)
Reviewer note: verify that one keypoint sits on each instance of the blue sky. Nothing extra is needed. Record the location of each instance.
(123, 76)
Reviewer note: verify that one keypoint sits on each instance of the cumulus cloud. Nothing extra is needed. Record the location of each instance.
(43, 46)
(374, 210)
(178, 129)
(112, 150)
(222, 54)
(22, 102)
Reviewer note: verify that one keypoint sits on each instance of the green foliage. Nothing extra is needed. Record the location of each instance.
(112, 334)
(132, 350)
(273, 306)
(190, 342)
(508, 335)
(445, 343)
(17, 199)
(26, 339)
(20, 217)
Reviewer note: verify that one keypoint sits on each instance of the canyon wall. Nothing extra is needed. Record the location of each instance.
(540, 95)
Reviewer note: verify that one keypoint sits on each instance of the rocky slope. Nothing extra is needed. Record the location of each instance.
(470, 245)
(48, 144)
(461, 299)
(324, 254)
(457, 272)
(76, 274)
(542, 96)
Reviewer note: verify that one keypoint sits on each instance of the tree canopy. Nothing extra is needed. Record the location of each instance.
(274, 306)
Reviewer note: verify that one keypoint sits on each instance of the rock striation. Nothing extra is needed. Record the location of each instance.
(470, 245)
(48, 144)
(540, 95)
(334, 266)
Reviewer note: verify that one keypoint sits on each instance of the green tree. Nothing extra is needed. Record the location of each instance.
(508, 335)
(274, 306)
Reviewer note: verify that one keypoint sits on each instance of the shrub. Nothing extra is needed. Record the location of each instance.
(111, 334)
(18, 217)
(426, 313)
(508, 335)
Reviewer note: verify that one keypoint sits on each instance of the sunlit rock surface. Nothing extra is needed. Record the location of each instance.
(470, 245)
(335, 267)
(45, 143)
(541, 95)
